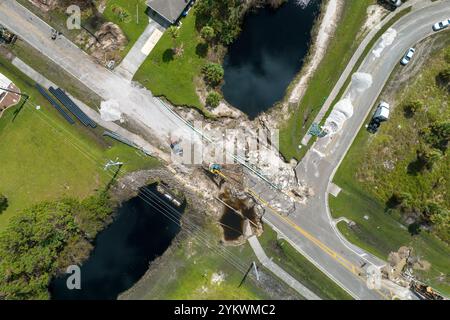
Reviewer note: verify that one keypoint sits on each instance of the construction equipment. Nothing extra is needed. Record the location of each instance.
(425, 292)
(316, 131)
(216, 169)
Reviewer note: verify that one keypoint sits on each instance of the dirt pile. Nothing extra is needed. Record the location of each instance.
(45, 5)
(402, 264)
(109, 41)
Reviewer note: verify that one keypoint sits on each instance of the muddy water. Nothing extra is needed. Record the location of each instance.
(123, 251)
(232, 222)
(268, 54)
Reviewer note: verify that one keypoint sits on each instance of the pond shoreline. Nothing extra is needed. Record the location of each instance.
(123, 193)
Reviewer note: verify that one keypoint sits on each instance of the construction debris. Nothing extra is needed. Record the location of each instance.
(107, 44)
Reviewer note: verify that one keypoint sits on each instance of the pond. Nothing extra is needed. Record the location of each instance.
(269, 52)
(124, 250)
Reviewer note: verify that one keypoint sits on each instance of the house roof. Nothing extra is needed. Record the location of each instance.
(170, 10)
(4, 83)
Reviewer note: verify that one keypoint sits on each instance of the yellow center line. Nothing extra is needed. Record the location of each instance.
(341, 260)
(344, 262)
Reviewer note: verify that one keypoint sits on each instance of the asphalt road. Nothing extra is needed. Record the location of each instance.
(310, 228)
(326, 247)
(136, 103)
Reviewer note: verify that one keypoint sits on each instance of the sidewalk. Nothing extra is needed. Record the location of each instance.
(279, 272)
(140, 50)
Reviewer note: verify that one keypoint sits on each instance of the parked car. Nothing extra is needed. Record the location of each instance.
(408, 56)
(381, 115)
(441, 25)
(396, 3)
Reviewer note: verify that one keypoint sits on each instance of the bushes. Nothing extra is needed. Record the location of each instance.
(34, 239)
(213, 73)
(207, 33)
(437, 135)
(3, 203)
(443, 79)
(412, 107)
(213, 99)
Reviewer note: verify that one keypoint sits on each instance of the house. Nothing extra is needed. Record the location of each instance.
(169, 10)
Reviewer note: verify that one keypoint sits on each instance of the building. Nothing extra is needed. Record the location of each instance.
(4, 83)
(7, 98)
(169, 10)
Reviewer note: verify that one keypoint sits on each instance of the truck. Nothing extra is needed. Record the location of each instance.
(381, 115)
(395, 3)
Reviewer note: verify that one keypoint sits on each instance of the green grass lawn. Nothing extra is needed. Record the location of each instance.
(190, 269)
(339, 53)
(45, 158)
(367, 183)
(187, 270)
(300, 268)
(130, 16)
(174, 77)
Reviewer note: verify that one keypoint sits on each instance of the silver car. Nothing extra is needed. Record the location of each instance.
(408, 56)
(441, 25)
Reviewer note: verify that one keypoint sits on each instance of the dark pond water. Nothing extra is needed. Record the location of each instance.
(232, 222)
(268, 54)
(122, 252)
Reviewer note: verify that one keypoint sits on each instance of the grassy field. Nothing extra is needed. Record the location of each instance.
(188, 268)
(54, 73)
(339, 53)
(300, 268)
(174, 77)
(44, 158)
(377, 166)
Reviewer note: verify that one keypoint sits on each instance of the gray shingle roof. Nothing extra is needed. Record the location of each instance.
(170, 10)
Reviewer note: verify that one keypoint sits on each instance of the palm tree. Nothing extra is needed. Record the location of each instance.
(174, 33)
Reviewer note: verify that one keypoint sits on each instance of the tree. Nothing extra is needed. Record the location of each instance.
(427, 157)
(410, 108)
(3, 203)
(213, 73)
(207, 33)
(403, 199)
(213, 99)
(174, 33)
(437, 135)
(44, 239)
(440, 217)
(224, 16)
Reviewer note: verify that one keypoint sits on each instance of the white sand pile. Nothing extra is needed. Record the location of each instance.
(342, 111)
(110, 111)
(361, 81)
(386, 40)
